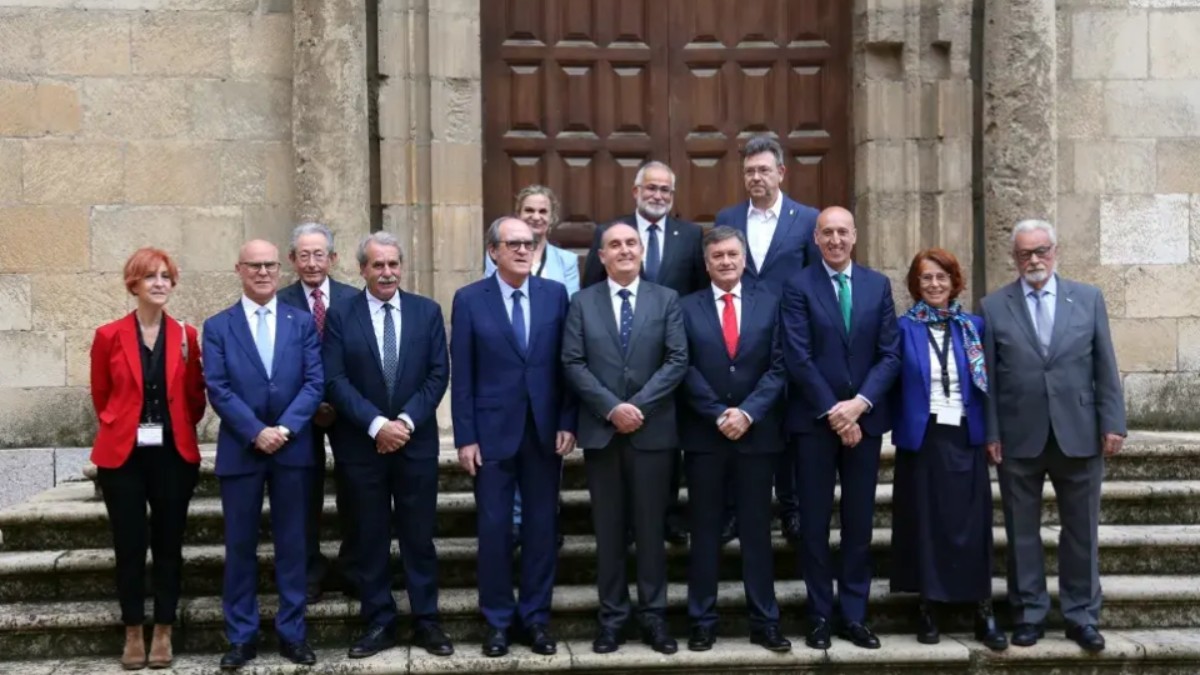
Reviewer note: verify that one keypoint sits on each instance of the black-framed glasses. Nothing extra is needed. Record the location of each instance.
(939, 277)
(257, 267)
(515, 245)
(1041, 252)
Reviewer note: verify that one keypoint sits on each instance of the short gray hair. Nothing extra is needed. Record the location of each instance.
(722, 233)
(313, 228)
(653, 164)
(1031, 225)
(763, 143)
(380, 238)
(493, 231)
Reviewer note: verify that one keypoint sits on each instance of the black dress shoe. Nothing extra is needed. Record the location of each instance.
(859, 634)
(1028, 634)
(729, 532)
(540, 640)
(298, 653)
(986, 630)
(238, 656)
(431, 638)
(674, 533)
(769, 636)
(702, 638)
(790, 526)
(495, 643)
(927, 629)
(312, 593)
(655, 635)
(1087, 637)
(819, 634)
(375, 640)
(607, 640)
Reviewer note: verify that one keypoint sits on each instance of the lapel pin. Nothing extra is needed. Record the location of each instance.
(675, 233)
(791, 212)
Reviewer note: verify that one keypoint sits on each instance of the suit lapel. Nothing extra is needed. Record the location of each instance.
(828, 299)
(368, 331)
(406, 325)
(783, 228)
(959, 353)
(748, 328)
(240, 327)
(641, 309)
(917, 333)
(669, 250)
(1063, 304)
(1016, 305)
(175, 335)
(740, 224)
(130, 344)
(538, 306)
(494, 298)
(603, 302)
(283, 331)
(861, 289)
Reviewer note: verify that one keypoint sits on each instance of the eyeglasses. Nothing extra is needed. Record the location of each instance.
(752, 171)
(1041, 252)
(315, 256)
(515, 245)
(941, 278)
(657, 189)
(258, 267)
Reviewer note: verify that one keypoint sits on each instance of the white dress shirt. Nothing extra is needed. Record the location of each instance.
(760, 229)
(643, 227)
(308, 291)
(737, 305)
(375, 307)
(937, 396)
(507, 291)
(250, 307)
(613, 288)
(1050, 299)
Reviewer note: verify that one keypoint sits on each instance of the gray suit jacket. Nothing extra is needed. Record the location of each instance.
(1076, 390)
(604, 376)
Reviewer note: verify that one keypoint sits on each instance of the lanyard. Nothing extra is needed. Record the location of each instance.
(542, 265)
(943, 355)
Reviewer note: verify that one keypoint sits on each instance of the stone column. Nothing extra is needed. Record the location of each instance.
(1020, 131)
(330, 121)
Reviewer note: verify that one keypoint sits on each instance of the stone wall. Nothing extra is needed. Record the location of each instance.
(125, 123)
(1128, 202)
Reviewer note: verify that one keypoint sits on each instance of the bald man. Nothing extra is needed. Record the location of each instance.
(262, 364)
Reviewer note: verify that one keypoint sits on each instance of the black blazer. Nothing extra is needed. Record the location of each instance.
(293, 294)
(682, 268)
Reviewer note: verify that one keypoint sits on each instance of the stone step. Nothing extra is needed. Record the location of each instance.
(80, 521)
(80, 574)
(79, 628)
(1148, 455)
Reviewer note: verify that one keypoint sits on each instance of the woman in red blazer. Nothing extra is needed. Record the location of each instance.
(148, 390)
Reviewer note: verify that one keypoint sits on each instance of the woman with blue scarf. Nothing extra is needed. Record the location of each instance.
(942, 504)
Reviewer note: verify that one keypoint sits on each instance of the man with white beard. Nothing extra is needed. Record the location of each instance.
(1055, 408)
(673, 257)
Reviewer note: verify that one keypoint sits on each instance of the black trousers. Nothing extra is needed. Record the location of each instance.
(157, 476)
(318, 566)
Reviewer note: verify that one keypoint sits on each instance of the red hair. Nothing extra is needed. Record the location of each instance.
(943, 259)
(144, 262)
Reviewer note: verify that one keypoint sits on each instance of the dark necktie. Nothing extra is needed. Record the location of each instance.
(626, 318)
(518, 321)
(653, 254)
(729, 325)
(389, 356)
(319, 312)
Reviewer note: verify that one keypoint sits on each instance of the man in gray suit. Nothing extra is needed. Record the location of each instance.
(625, 352)
(1056, 408)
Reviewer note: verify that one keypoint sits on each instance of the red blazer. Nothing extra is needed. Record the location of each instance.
(117, 389)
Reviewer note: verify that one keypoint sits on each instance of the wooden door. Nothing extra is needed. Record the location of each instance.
(578, 93)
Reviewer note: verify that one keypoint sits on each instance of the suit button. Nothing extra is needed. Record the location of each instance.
(732, 369)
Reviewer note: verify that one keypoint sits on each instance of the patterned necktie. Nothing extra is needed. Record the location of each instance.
(653, 254)
(626, 318)
(389, 356)
(518, 320)
(844, 300)
(318, 311)
(729, 326)
(1044, 325)
(262, 340)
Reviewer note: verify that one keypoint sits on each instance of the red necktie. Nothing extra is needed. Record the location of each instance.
(319, 312)
(729, 325)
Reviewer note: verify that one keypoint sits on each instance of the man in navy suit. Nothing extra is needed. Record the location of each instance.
(779, 232)
(841, 346)
(672, 258)
(315, 292)
(514, 421)
(733, 420)
(262, 363)
(386, 370)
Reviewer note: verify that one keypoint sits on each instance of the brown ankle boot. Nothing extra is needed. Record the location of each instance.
(134, 656)
(160, 646)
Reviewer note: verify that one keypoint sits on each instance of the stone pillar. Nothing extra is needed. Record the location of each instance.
(1020, 130)
(912, 132)
(330, 121)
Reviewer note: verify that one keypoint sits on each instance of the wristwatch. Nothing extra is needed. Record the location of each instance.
(287, 433)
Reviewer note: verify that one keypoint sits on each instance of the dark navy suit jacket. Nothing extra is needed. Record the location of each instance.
(910, 396)
(293, 294)
(494, 382)
(752, 380)
(825, 363)
(247, 401)
(792, 248)
(354, 376)
(682, 265)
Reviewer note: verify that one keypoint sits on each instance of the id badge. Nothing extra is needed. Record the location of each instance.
(950, 416)
(150, 434)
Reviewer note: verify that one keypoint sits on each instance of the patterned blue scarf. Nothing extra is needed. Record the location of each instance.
(924, 314)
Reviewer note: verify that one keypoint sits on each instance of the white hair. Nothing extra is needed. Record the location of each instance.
(313, 228)
(655, 164)
(1031, 225)
(380, 238)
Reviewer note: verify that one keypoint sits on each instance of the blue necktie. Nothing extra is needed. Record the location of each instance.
(626, 318)
(262, 340)
(389, 356)
(518, 321)
(652, 254)
(1044, 325)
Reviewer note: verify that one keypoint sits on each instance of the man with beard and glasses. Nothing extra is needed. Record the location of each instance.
(1055, 408)
(673, 257)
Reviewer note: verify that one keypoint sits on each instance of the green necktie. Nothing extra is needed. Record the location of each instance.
(844, 302)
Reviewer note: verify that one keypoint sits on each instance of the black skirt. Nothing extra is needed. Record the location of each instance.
(942, 519)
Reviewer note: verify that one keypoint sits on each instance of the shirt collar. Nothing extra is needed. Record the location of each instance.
(832, 272)
(737, 291)
(614, 287)
(324, 289)
(772, 209)
(643, 224)
(376, 305)
(1051, 287)
(509, 290)
(250, 307)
